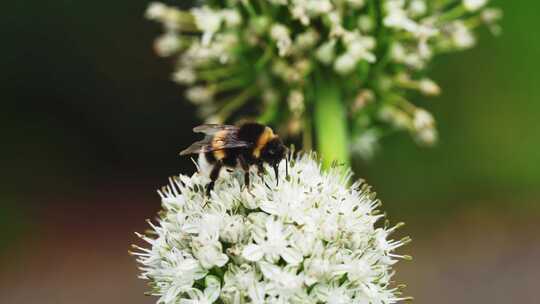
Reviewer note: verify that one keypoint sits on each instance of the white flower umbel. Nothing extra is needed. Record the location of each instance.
(240, 50)
(313, 238)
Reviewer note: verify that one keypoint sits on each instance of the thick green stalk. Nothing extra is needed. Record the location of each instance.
(330, 122)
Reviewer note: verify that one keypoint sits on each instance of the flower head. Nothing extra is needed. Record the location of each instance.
(312, 238)
(234, 52)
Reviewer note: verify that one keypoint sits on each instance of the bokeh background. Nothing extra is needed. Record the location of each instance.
(91, 125)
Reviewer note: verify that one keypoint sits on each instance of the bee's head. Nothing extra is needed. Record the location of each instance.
(273, 152)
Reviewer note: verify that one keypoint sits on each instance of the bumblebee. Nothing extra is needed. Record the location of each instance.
(251, 144)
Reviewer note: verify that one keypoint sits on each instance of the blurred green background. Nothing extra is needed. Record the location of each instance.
(92, 125)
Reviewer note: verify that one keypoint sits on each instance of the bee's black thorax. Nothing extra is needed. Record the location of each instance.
(251, 132)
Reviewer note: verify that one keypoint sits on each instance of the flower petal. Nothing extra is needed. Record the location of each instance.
(213, 288)
(292, 256)
(253, 252)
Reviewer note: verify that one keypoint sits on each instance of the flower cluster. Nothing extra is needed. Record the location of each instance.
(270, 53)
(312, 239)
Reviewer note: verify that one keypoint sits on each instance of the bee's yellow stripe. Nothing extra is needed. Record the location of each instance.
(264, 138)
(218, 142)
(219, 154)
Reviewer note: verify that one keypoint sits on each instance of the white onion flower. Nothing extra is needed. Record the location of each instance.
(199, 95)
(461, 35)
(311, 239)
(208, 21)
(167, 44)
(280, 34)
(418, 8)
(184, 76)
(240, 50)
(366, 144)
(424, 127)
(474, 5)
(156, 11)
(345, 64)
(429, 87)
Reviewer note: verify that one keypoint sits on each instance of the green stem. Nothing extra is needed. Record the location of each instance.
(452, 14)
(213, 74)
(330, 122)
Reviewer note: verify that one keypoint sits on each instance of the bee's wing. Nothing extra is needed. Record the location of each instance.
(198, 147)
(210, 143)
(211, 129)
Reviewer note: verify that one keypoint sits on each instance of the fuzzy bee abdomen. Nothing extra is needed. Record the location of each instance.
(228, 157)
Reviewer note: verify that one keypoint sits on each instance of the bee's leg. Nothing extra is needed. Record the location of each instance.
(245, 167)
(214, 174)
(260, 172)
(260, 169)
